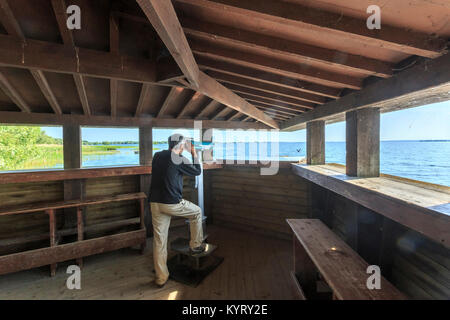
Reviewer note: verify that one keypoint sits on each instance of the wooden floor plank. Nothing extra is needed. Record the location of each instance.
(125, 274)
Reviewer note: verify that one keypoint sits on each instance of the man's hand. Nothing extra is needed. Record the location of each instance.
(191, 148)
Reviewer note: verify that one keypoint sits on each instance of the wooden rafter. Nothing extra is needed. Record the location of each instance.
(59, 8)
(113, 89)
(216, 91)
(234, 116)
(267, 77)
(162, 16)
(293, 15)
(277, 66)
(279, 108)
(269, 88)
(114, 48)
(42, 82)
(81, 89)
(243, 39)
(275, 97)
(9, 21)
(271, 102)
(173, 93)
(213, 105)
(165, 21)
(189, 105)
(276, 109)
(141, 103)
(423, 84)
(12, 93)
(222, 113)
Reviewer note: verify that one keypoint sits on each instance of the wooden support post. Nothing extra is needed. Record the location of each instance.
(145, 159)
(142, 221)
(73, 189)
(363, 142)
(304, 270)
(315, 142)
(207, 136)
(52, 230)
(80, 231)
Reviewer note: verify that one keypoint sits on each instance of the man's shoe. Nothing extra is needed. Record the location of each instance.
(199, 249)
(160, 284)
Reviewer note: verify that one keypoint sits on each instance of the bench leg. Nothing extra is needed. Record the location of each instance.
(305, 270)
(52, 227)
(80, 232)
(142, 214)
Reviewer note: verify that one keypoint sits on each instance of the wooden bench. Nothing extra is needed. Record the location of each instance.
(76, 250)
(321, 254)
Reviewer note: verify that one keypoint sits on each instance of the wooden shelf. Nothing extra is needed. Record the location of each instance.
(423, 207)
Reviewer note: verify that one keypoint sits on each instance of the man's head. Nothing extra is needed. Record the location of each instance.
(176, 143)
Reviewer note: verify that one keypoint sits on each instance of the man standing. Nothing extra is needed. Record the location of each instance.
(168, 168)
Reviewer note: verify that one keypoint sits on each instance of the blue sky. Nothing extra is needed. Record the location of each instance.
(431, 122)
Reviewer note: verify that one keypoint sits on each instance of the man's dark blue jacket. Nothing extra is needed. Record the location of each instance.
(167, 177)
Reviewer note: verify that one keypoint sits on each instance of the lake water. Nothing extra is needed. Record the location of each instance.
(420, 160)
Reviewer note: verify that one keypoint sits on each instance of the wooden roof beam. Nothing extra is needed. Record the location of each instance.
(165, 21)
(12, 93)
(162, 16)
(55, 57)
(265, 77)
(42, 82)
(423, 84)
(300, 17)
(284, 48)
(281, 67)
(21, 118)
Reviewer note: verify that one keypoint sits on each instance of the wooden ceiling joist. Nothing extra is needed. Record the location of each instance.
(192, 101)
(173, 93)
(142, 98)
(269, 105)
(206, 63)
(282, 67)
(42, 82)
(269, 88)
(423, 84)
(222, 113)
(303, 18)
(81, 89)
(234, 116)
(12, 93)
(275, 97)
(213, 105)
(162, 16)
(276, 109)
(273, 102)
(281, 48)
